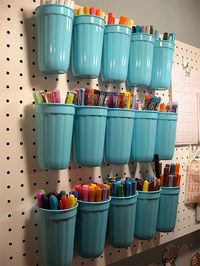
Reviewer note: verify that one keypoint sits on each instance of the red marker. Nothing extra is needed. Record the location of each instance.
(111, 18)
(65, 202)
(60, 204)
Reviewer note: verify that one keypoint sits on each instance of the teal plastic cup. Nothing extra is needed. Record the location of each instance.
(167, 211)
(146, 214)
(89, 135)
(87, 46)
(54, 126)
(116, 47)
(56, 234)
(122, 220)
(140, 59)
(162, 65)
(54, 33)
(91, 228)
(119, 128)
(144, 136)
(166, 135)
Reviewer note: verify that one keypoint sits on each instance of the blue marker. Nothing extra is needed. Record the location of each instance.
(45, 201)
(138, 29)
(130, 187)
(53, 202)
(172, 35)
(115, 188)
(172, 168)
(127, 189)
(82, 96)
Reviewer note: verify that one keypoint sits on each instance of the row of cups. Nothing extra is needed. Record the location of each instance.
(136, 216)
(111, 50)
(100, 134)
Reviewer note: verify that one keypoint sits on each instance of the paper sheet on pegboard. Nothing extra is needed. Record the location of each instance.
(185, 91)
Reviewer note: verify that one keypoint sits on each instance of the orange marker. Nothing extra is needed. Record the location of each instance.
(98, 194)
(122, 20)
(76, 12)
(177, 168)
(91, 197)
(161, 179)
(99, 12)
(86, 10)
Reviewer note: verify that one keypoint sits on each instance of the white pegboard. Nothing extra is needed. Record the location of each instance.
(20, 175)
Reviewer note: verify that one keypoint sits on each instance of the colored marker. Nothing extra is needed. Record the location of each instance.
(86, 10)
(53, 202)
(122, 20)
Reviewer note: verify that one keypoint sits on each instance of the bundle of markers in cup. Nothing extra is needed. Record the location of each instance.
(121, 187)
(154, 103)
(68, 3)
(148, 184)
(87, 10)
(150, 30)
(171, 176)
(56, 201)
(92, 192)
(122, 21)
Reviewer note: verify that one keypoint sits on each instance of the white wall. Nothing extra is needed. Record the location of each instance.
(179, 16)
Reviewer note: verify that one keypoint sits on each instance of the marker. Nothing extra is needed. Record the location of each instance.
(98, 194)
(60, 204)
(53, 202)
(166, 177)
(93, 11)
(170, 180)
(85, 192)
(45, 201)
(81, 11)
(129, 23)
(138, 29)
(172, 35)
(65, 202)
(156, 34)
(86, 10)
(91, 197)
(172, 168)
(72, 201)
(99, 12)
(38, 97)
(111, 18)
(165, 35)
(120, 191)
(145, 185)
(39, 198)
(177, 168)
(122, 20)
(82, 96)
(76, 12)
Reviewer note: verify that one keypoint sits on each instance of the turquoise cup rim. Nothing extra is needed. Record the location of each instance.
(94, 202)
(124, 198)
(55, 104)
(57, 211)
(53, 5)
(148, 192)
(90, 107)
(89, 16)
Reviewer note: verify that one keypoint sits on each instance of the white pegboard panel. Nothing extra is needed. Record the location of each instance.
(20, 175)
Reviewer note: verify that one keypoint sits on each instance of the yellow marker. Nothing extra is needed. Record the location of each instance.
(70, 98)
(86, 10)
(103, 15)
(76, 12)
(72, 201)
(129, 23)
(81, 11)
(145, 186)
(128, 100)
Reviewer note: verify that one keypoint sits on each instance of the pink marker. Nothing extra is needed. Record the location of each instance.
(39, 198)
(56, 96)
(85, 192)
(93, 11)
